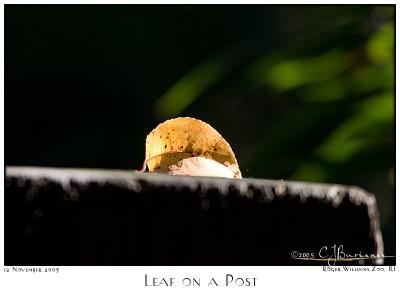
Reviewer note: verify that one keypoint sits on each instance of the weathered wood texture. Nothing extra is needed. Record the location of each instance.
(100, 217)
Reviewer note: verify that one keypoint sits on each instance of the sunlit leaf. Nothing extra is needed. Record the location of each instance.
(177, 139)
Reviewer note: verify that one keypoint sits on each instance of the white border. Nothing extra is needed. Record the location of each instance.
(130, 280)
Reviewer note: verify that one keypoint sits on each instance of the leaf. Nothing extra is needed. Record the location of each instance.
(180, 138)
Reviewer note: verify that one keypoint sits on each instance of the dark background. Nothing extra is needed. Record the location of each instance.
(300, 92)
